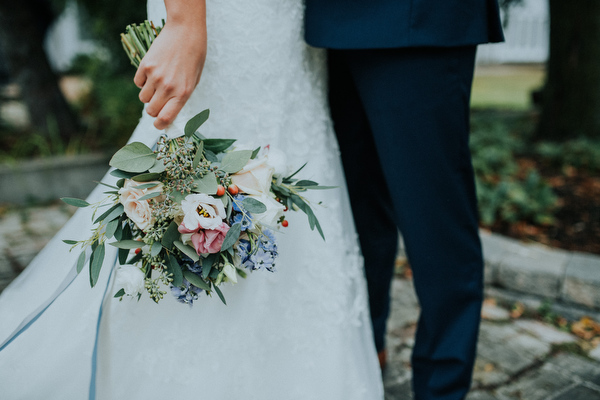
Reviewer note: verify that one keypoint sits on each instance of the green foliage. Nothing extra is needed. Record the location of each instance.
(107, 20)
(112, 109)
(504, 192)
(581, 153)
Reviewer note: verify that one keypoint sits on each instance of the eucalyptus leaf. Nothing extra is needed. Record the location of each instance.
(111, 228)
(207, 264)
(96, 264)
(112, 213)
(207, 184)
(134, 157)
(155, 249)
(119, 231)
(120, 293)
(220, 294)
(218, 145)
(123, 253)
(137, 257)
(81, 262)
(255, 152)
(235, 161)
(128, 244)
(146, 177)
(146, 185)
(287, 178)
(150, 196)
(121, 182)
(195, 122)
(210, 156)
(111, 192)
(253, 206)
(305, 183)
(196, 280)
(175, 269)
(170, 235)
(177, 196)
(187, 250)
(75, 202)
(320, 187)
(106, 184)
(198, 156)
(158, 167)
(232, 236)
(70, 241)
(122, 174)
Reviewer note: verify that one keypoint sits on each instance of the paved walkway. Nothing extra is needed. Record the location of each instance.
(519, 358)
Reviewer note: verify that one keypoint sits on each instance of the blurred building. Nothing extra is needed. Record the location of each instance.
(527, 36)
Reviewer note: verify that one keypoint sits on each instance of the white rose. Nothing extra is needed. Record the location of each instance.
(202, 211)
(131, 279)
(230, 273)
(137, 210)
(274, 211)
(255, 178)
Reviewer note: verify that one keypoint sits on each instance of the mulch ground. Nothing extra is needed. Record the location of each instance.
(577, 225)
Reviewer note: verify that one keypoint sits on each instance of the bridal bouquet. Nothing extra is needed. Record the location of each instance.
(195, 213)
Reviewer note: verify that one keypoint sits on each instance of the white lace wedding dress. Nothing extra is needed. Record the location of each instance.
(302, 332)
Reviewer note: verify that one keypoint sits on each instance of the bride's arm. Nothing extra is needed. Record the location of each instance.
(171, 69)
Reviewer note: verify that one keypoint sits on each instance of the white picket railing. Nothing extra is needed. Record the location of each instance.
(527, 36)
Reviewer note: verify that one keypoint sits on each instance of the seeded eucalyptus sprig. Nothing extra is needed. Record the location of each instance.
(137, 40)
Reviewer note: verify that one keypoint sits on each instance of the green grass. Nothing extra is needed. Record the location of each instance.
(506, 86)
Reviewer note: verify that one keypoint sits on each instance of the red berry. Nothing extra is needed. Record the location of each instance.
(284, 223)
(285, 209)
(220, 191)
(233, 190)
(138, 250)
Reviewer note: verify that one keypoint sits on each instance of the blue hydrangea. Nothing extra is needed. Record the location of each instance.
(263, 259)
(245, 220)
(238, 200)
(267, 241)
(186, 294)
(243, 250)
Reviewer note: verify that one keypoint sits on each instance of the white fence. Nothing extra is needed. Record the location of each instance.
(527, 36)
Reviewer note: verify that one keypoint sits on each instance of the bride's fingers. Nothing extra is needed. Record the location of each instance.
(140, 77)
(168, 113)
(147, 92)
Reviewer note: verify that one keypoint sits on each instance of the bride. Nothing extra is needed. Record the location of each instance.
(302, 332)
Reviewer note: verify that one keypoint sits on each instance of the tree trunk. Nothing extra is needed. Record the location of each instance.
(22, 38)
(571, 96)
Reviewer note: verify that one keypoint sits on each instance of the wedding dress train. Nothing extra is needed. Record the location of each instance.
(302, 332)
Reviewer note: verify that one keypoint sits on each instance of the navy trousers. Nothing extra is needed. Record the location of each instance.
(402, 120)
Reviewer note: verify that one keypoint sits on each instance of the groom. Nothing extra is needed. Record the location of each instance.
(400, 76)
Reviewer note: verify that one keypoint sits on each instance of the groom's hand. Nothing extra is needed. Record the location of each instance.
(170, 71)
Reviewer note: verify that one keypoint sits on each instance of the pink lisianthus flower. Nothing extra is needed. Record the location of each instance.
(205, 240)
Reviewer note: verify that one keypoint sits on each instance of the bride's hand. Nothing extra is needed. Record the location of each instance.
(170, 71)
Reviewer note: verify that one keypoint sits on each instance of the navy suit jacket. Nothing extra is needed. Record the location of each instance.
(364, 24)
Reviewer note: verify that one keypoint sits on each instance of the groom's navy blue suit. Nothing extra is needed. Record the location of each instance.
(400, 80)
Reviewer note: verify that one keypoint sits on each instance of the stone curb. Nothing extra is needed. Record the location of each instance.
(51, 178)
(554, 274)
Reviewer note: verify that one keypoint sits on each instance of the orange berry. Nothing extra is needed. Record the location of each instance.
(233, 190)
(220, 191)
(284, 223)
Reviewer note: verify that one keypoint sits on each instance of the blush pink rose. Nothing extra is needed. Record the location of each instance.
(209, 240)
